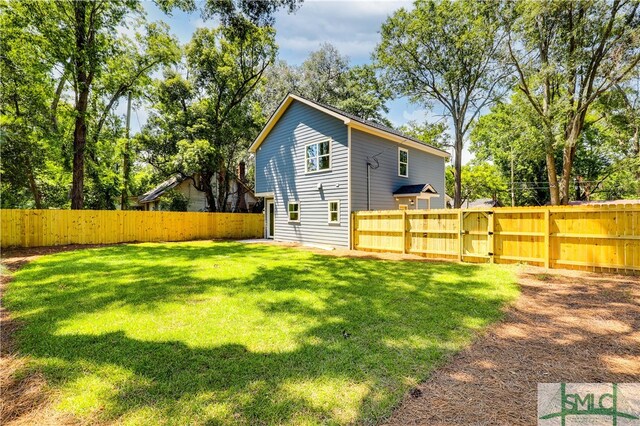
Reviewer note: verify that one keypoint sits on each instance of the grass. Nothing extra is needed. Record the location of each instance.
(210, 333)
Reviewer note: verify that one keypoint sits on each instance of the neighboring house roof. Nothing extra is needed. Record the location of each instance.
(159, 190)
(422, 188)
(171, 183)
(348, 119)
(592, 203)
(483, 203)
(246, 187)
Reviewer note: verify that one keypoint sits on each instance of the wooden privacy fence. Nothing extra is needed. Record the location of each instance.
(604, 238)
(36, 228)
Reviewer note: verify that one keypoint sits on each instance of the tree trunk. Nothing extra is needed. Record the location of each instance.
(37, 197)
(223, 189)
(636, 149)
(552, 174)
(569, 154)
(56, 99)
(205, 184)
(126, 160)
(80, 131)
(457, 197)
(241, 204)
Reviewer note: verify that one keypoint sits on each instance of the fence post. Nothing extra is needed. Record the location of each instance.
(547, 227)
(352, 218)
(460, 234)
(490, 236)
(404, 231)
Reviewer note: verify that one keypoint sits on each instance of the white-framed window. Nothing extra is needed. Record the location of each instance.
(294, 211)
(403, 162)
(334, 211)
(318, 156)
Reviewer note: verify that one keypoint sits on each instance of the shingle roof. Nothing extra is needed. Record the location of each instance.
(483, 203)
(370, 123)
(415, 189)
(171, 183)
(157, 192)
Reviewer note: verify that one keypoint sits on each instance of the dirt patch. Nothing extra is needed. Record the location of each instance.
(14, 258)
(566, 327)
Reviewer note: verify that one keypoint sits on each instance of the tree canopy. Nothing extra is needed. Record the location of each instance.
(567, 55)
(545, 95)
(201, 125)
(327, 77)
(446, 52)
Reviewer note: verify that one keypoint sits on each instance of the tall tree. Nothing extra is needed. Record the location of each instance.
(434, 134)
(81, 36)
(127, 71)
(281, 79)
(365, 95)
(92, 25)
(567, 55)
(91, 59)
(480, 180)
(326, 76)
(86, 65)
(511, 135)
(26, 90)
(203, 123)
(446, 52)
(260, 12)
(508, 136)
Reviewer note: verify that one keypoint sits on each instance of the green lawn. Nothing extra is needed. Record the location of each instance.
(210, 332)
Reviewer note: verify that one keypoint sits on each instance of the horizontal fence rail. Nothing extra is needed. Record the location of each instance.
(37, 228)
(602, 238)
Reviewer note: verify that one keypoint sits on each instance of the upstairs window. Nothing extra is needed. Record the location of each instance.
(334, 211)
(403, 162)
(318, 156)
(294, 211)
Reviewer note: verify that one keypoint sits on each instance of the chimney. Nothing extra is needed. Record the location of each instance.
(241, 170)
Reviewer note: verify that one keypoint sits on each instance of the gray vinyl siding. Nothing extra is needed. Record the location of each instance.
(423, 168)
(280, 168)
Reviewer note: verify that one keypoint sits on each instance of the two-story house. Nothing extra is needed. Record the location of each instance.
(314, 164)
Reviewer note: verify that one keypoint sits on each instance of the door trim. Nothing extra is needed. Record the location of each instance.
(270, 217)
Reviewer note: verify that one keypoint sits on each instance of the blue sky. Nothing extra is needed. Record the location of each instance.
(352, 26)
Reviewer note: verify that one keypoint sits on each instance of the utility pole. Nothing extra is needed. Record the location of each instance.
(126, 165)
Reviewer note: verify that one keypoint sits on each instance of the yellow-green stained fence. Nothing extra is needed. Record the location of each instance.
(602, 238)
(36, 228)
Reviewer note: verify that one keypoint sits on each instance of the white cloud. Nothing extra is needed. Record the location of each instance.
(352, 26)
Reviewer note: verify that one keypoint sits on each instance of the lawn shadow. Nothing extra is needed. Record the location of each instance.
(363, 330)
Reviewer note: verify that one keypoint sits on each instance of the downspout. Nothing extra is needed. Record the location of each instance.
(368, 186)
(369, 167)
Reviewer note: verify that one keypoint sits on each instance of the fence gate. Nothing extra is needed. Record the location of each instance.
(477, 236)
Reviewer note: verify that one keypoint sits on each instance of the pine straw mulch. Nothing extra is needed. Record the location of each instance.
(566, 326)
